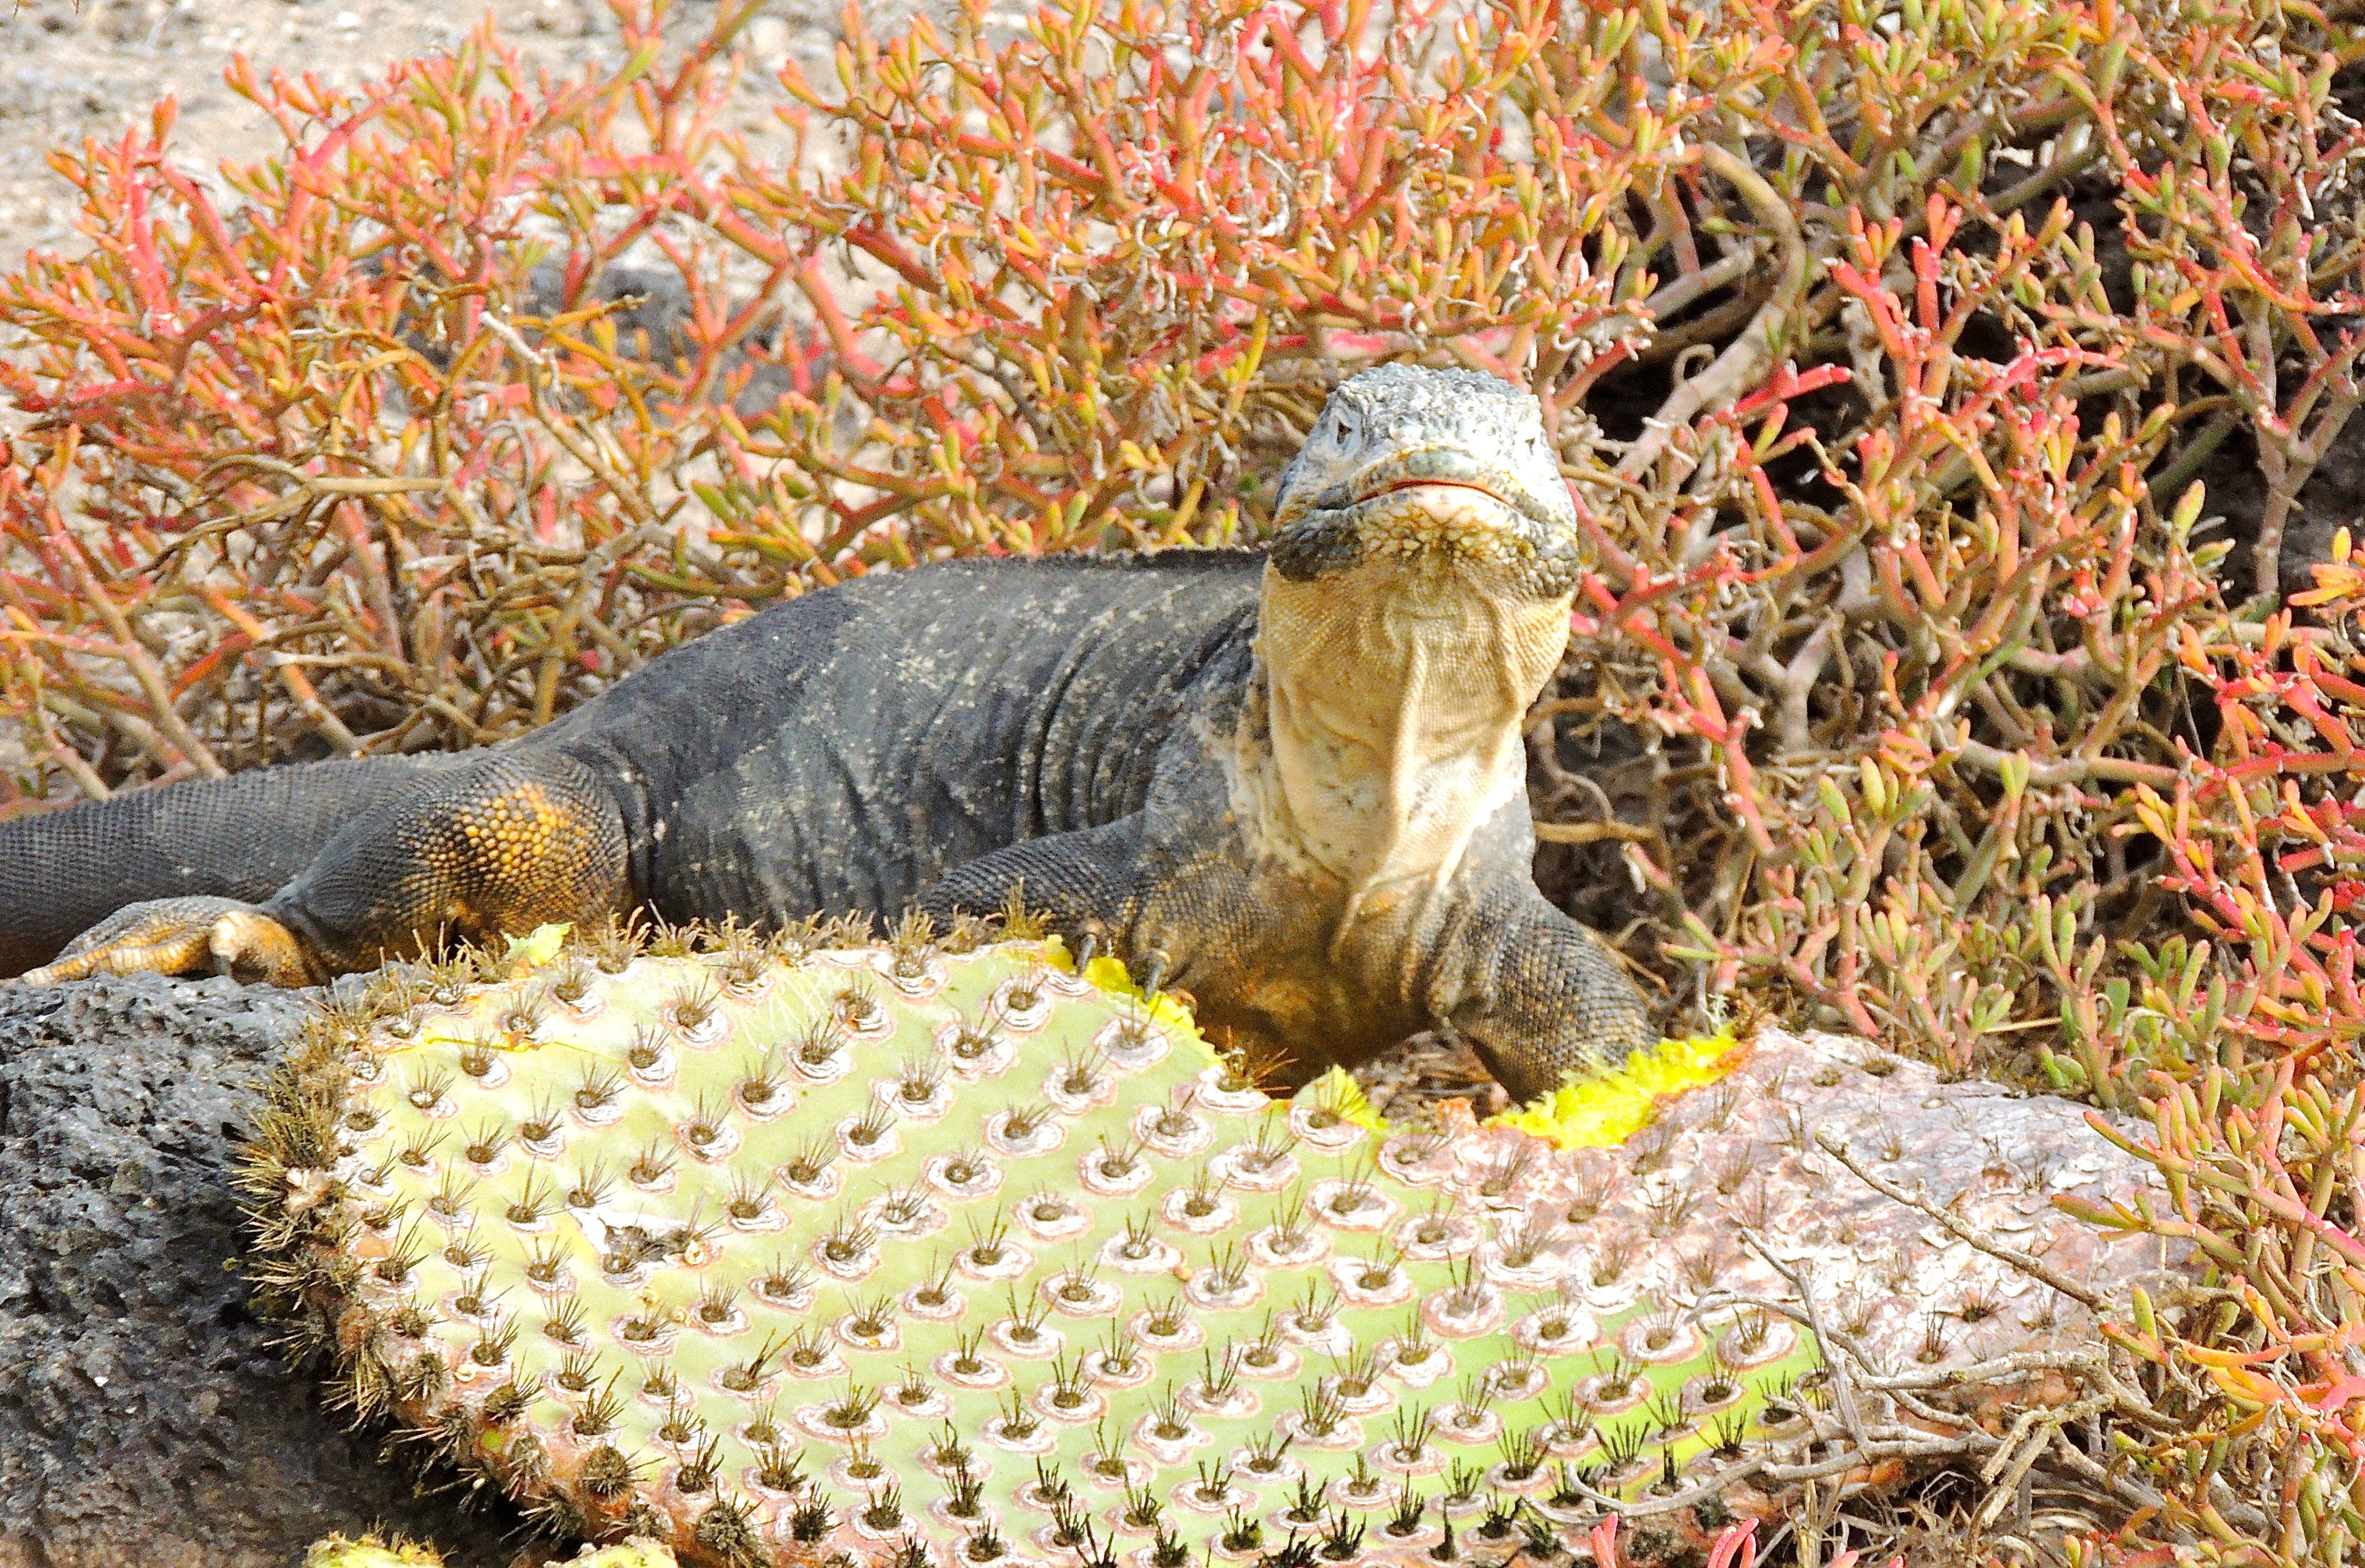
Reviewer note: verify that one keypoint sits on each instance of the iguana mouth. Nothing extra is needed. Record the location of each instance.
(1455, 517)
(1393, 486)
(1459, 516)
(1431, 505)
(1439, 468)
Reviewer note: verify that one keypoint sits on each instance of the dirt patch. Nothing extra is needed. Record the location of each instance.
(73, 72)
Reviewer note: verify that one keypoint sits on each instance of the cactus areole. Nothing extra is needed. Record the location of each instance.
(781, 1251)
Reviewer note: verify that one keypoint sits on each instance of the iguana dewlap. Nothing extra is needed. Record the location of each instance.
(1292, 778)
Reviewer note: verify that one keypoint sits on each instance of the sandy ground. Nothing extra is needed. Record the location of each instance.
(69, 70)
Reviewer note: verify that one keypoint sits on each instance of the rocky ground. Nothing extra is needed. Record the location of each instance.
(147, 1416)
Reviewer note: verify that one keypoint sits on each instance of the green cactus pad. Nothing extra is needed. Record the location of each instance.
(776, 1252)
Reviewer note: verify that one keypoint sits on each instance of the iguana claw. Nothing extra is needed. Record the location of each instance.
(182, 935)
(1087, 941)
(1151, 972)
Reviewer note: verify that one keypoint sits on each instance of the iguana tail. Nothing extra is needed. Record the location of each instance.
(241, 837)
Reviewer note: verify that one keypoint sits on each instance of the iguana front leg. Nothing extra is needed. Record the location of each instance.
(1087, 882)
(1181, 906)
(1541, 998)
(505, 843)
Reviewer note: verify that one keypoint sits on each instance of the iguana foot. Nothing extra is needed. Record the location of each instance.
(182, 935)
(1089, 939)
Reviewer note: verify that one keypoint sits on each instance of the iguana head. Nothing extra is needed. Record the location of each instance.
(1407, 462)
(1416, 600)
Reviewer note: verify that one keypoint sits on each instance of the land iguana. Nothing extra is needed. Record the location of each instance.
(1290, 782)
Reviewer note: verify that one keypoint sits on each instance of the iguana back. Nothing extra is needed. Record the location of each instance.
(833, 753)
(841, 752)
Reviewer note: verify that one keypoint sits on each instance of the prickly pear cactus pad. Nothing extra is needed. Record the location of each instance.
(777, 1252)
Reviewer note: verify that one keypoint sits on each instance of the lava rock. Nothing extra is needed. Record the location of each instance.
(147, 1415)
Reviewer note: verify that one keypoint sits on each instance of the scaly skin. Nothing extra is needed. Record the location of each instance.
(1289, 782)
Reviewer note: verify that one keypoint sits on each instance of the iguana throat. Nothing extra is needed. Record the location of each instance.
(1414, 603)
(1396, 693)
